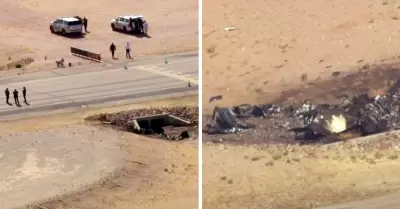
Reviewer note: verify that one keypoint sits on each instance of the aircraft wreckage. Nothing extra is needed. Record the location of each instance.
(310, 121)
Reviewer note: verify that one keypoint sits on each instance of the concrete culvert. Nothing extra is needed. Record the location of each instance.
(172, 123)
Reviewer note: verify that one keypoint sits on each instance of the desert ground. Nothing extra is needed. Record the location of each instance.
(280, 51)
(24, 29)
(149, 173)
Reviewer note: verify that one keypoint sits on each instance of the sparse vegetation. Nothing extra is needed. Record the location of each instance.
(269, 163)
(276, 156)
(211, 49)
(256, 158)
(304, 77)
(379, 155)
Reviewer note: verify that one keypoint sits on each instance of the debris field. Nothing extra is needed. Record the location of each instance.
(307, 122)
(190, 114)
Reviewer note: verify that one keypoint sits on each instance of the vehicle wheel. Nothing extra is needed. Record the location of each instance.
(63, 32)
(113, 27)
(124, 29)
(52, 29)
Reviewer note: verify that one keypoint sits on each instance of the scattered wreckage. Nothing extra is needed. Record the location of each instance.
(310, 121)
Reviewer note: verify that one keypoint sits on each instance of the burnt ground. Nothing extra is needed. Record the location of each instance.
(371, 79)
(120, 120)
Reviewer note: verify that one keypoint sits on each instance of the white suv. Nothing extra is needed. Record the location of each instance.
(66, 25)
(128, 23)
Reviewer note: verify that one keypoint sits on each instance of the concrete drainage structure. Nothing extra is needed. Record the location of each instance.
(154, 124)
(171, 123)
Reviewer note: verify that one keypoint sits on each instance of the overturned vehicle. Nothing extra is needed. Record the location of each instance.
(308, 121)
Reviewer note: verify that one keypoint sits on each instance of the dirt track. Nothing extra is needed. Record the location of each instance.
(279, 46)
(155, 173)
(24, 29)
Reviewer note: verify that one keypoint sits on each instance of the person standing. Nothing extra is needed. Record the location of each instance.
(140, 20)
(145, 27)
(85, 24)
(112, 49)
(16, 100)
(128, 50)
(24, 94)
(7, 92)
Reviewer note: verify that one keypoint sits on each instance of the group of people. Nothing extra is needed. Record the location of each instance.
(84, 22)
(139, 24)
(113, 48)
(16, 97)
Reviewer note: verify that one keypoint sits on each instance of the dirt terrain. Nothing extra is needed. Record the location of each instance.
(55, 161)
(284, 51)
(281, 177)
(24, 29)
(276, 173)
(276, 42)
(155, 173)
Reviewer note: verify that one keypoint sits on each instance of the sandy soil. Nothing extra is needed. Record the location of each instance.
(275, 42)
(280, 46)
(24, 28)
(55, 161)
(156, 173)
(281, 177)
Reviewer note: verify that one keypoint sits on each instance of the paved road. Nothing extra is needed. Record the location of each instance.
(58, 161)
(391, 201)
(101, 83)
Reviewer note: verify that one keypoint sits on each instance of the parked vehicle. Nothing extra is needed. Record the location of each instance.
(128, 23)
(66, 25)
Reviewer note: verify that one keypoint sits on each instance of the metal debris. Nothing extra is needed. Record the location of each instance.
(230, 28)
(215, 98)
(309, 121)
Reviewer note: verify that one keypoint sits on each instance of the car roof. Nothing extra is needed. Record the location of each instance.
(132, 16)
(68, 19)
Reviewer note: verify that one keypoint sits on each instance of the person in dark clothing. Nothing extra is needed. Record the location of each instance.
(7, 92)
(85, 22)
(112, 49)
(137, 28)
(131, 24)
(16, 97)
(24, 94)
(140, 23)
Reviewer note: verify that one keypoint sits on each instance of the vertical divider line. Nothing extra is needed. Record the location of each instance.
(200, 100)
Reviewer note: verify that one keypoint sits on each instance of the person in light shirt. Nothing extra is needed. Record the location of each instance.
(128, 50)
(145, 27)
